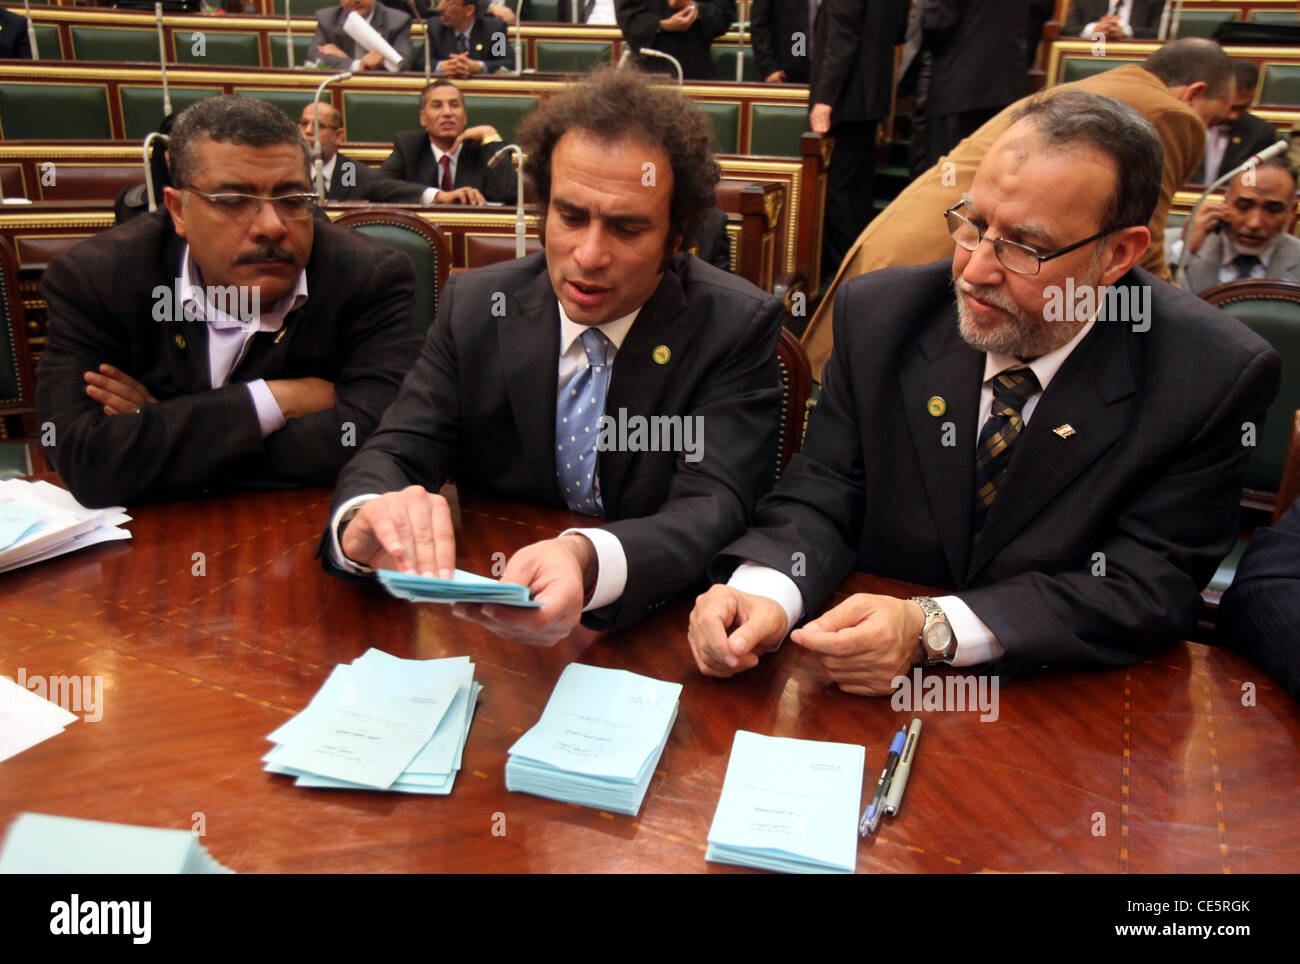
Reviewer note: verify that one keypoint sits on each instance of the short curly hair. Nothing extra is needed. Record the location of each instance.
(612, 103)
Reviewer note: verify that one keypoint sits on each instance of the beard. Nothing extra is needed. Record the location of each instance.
(1019, 334)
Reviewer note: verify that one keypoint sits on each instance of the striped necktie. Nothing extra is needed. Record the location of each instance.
(1011, 389)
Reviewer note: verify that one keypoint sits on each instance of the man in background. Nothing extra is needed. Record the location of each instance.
(333, 46)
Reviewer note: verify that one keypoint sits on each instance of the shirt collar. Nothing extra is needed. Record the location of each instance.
(327, 170)
(269, 319)
(1044, 367)
(615, 331)
(438, 152)
(1265, 254)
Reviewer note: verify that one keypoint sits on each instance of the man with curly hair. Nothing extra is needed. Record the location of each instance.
(609, 373)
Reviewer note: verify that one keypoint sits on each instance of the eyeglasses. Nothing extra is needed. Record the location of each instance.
(1013, 255)
(245, 207)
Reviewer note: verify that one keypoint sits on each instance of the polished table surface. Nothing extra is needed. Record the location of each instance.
(1161, 767)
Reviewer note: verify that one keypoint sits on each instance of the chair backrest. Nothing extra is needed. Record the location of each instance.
(796, 386)
(16, 377)
(1272, 310)
(424, 242)
(1289, 490)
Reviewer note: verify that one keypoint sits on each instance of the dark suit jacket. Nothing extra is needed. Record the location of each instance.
(1248, 136)
(355, 330)
(1203, 267)
(489, 41)
(392, 25)
(364, 184)
(1261, 609)
(639, 21)
(412, 161)
(853, 57)
(14, 42)
(1151, 477)
(774, 24)
(480, 404)
(978, 48)
(1144, 18)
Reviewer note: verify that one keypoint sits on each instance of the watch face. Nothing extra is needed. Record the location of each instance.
(938, 637)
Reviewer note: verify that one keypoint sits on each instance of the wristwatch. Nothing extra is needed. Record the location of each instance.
(937, 639)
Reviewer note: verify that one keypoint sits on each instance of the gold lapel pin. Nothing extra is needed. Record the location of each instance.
(180, 341)
(661, 354)
(936, 406)
(1065, 431)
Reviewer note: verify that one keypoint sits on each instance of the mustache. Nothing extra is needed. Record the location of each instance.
(988, 295)
(266, 252)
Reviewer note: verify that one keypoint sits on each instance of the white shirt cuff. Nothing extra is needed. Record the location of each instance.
(430, 193)
(975, 641)
(342, 514)
(611, 566)
(758, 580)
(356, 64)
(1088, 30)
(269, 416)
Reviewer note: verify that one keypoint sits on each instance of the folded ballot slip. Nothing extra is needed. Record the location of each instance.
(789, 805)
(598, 741)
(463, 587)
(39, 843)
(381, 723)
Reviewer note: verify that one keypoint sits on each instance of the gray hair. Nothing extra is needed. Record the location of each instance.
(233, 119)
(1119, 132)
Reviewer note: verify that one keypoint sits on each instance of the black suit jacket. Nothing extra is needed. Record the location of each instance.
(853, 57)
(412, 161)
(1261, 609)
(14, 42)
(978, 51)
(354, 180)
(639, 21)
(480, 404)
(355, 330)
(1248, 136)
(489, 42)
(774, 24)
(1144, 18)
(1150, 478)
(392, 25)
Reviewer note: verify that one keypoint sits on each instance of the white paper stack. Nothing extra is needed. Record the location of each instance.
(27, 719)
(598, 741)
(39, 521)
(381, 723)
(41, 844)
(789, 805)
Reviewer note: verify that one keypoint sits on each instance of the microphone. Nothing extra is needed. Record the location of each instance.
(288, 33)
(318, 163)
(519, 41)
(162, 59)
(651, 52)
(148, 167)
(1273, 150)
(519, 191)
(415, 15)
(31, 32)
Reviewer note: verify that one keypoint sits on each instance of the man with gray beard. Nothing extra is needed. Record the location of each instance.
(1070, 484)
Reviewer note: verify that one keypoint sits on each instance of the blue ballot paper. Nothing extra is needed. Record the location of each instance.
(38, 843)
(598, 740)
(18, 522)
(462, 587)
(789, 805)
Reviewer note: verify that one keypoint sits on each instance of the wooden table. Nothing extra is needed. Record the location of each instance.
(197, 669)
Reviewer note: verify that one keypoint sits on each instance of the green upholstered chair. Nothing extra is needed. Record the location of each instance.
(776, 129)
(502, 111)
(1077, 68)
(1280, 84)
(1274, 16)
(796, 386)
(301, 44)
(47, 39)
(1200, 23)
(571, 56)
(369, 116)
(48, 111)
(304, 8)
(547, 11)
(142, 107)
(218, 49)
(426, 245)
(726, 125)
(289, 101)
(17, 392)
(724, 61)
(127, 44)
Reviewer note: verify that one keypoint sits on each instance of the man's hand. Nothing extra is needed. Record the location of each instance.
(775, 77)
(866, 641)
(475, 134)
(461, 195)
(502, 12)
(458, 66)
(302, 396)
(373, 60)
(409, 531)
(681, 20)
(820, 118)
(758, 622)
(334, 50)
(557, 572)
(1208, 218)
(1110, 26)
(118, 392)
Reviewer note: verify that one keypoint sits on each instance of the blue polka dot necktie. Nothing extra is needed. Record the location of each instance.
(577, 426)
(1011, 389)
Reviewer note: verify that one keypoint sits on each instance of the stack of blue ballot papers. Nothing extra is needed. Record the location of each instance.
(789, 805)
(462, 587)
(598, 741)
(41, 844)
(381, 723)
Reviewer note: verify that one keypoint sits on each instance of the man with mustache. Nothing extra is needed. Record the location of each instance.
(231, 339)
(1067, 479)
(1245, 235)
(529, 360)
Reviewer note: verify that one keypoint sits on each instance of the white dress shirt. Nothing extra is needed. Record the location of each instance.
(228, 336)
(327, 170)
(976, 643)
(438, 154)
(1124, 12)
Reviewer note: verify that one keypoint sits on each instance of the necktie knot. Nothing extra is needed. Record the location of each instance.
(1011, 389)
(596, 345)
(1245, 263)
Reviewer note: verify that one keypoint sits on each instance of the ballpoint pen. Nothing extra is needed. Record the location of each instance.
(871, 816)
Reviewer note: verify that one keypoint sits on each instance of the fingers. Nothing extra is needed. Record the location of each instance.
(474, 196)
(554, 579)
(412, 526)
(729, 630)
(119, 393)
